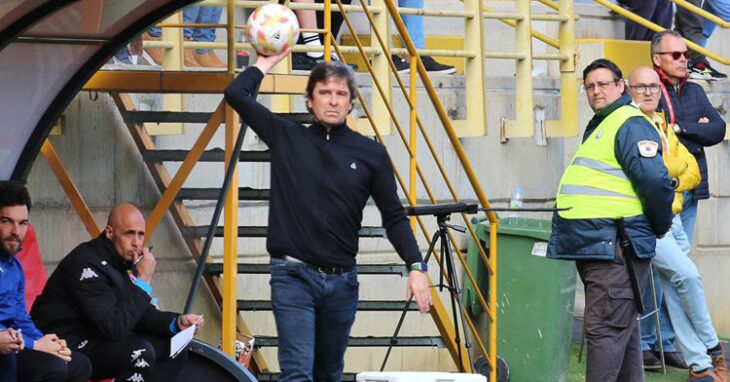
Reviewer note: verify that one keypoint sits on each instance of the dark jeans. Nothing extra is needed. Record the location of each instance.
(134, 357)
(610, 320)
(656, 11)
(35, 366)
(314, 312)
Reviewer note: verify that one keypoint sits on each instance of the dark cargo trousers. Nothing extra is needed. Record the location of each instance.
(610, 320)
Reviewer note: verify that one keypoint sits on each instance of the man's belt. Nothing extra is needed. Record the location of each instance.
(328, 269)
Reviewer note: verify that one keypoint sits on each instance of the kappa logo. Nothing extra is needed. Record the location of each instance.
(353, 166)
(103, 262)
(82, 344)
(87, 273)
(599, 134)
(136, 377)
(137, 353)
(141, 363)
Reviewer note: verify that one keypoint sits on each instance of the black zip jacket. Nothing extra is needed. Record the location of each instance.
(91, 297)
(320, 183)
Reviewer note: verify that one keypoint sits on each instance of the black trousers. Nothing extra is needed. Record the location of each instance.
(689, 26)
(36, 366)
(135, 358)
(610, 319)
(656, 11)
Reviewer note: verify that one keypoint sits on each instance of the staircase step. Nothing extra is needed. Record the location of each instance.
(425, 341)
(213, 155)
(260, 231)
(362, 306)
(362, 269)
(346, 377)
(244, 193)
(195, 117)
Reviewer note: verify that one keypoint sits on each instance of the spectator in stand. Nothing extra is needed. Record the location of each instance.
(309, 19)
(697, 125)
(193, 57)
(656, 11)
(698, 30)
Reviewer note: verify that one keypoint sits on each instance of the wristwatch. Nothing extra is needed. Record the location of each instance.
(420, 266)
(676, 128)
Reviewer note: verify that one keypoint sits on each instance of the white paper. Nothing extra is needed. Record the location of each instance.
(179, 341)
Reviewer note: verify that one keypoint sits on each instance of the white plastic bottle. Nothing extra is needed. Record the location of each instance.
(515, 201)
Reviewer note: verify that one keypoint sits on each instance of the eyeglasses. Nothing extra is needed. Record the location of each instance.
(676, 55)
(642, 88)
(600, 85)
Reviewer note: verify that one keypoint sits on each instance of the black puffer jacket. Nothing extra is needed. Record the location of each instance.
(90, 296)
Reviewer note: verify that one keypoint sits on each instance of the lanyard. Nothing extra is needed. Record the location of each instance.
(669, 102)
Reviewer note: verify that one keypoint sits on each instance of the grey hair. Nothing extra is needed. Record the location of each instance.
(657, 39)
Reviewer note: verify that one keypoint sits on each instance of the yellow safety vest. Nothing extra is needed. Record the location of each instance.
(594, 185)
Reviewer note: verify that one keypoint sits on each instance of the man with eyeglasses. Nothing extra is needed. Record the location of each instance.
(697, 125)
(616, 186)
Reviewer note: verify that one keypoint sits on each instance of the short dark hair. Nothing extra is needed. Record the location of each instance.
(13, 194)
(657, 39)
(605, 64)
(324, 71)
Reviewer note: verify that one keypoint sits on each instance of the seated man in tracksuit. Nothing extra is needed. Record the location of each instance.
(92, 300)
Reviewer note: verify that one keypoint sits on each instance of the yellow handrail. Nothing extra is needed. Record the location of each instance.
(702, 13)
(657, 28)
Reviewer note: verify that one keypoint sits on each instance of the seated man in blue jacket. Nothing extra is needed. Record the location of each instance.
(616, 178)
(25, 353)
(105, 313)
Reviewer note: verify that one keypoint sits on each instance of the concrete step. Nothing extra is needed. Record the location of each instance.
(362, 269)
(368, 306)
(260, 231)
(244, 193)
(424, 341)
(213, 155)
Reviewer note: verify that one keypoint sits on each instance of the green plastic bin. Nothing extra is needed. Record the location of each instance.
(535, 298)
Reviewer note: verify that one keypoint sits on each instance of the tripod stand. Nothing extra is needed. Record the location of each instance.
(452, 285)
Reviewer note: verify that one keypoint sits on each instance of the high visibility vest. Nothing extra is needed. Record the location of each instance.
(594, 185)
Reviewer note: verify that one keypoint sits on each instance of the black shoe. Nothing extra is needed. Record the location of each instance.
(434, 67)
(675, 359)
(703, 71)
(335, 58)
(302, 61)
(651, 362)
(401, 66)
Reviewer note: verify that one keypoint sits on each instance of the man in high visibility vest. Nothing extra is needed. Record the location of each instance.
(615, 185)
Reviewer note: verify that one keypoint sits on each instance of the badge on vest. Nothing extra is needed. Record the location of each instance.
(648, 149)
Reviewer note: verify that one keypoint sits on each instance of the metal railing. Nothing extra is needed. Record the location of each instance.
(657, 28)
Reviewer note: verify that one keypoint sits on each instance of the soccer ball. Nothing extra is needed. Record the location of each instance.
(272, 28)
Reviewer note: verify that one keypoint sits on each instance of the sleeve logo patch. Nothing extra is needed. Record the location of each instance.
(648, 149)
(87, 273)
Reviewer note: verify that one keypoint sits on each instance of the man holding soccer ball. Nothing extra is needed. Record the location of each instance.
(321, 178)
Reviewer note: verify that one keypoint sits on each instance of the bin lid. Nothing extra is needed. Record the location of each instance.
(518, 226)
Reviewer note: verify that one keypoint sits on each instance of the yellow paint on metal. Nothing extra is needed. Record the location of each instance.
(568, 123)
(475, 84)
(702, 13)
(186, 82)
(328, 28)
(172, 60)
(231, 36)
(74, 196)
(413, 136)
(523, 125)
(657, 28)
(170, 193)
(230, 240)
